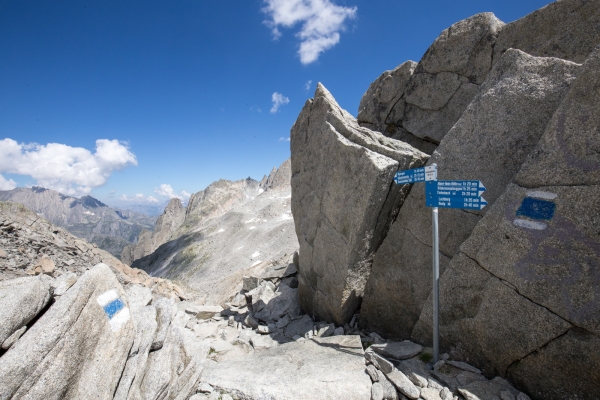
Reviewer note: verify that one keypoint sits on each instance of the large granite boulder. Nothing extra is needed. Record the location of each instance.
(522, 296)
(320, 368)
(489, 143)
(343, 201)
(567, 29)
(448, 76)
(21, 300)
(77, 349)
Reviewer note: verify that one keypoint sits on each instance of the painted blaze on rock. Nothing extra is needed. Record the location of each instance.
(343, 201)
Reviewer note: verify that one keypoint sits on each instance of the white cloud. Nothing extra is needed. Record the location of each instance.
(307, 85)
(7, 184)
(282, 139)
(73, 171)
(321, 23)
(167, 191)
(139, 198)
(278, 100)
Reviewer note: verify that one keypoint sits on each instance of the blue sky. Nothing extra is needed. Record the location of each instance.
(161, 98)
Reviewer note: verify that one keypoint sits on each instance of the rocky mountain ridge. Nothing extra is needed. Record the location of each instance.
(88, 218)
(225, 231)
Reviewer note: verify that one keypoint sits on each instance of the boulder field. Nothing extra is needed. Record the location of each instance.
(513, 106)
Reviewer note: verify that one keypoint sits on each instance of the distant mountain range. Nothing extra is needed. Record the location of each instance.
(110, 228)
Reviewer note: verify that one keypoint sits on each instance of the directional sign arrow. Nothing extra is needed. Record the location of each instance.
(456, 202)
(455, 194)
(422, 174)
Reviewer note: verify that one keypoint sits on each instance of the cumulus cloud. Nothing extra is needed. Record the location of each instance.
(278, 100)
(307, 85)
(321, 21)
(167, 191)
(73, 171)
(282, 139)
(7, 184)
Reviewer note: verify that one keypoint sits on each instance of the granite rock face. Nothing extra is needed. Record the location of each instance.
(21, 300)
(567, 29)
(86, 334)
(523, 287)
(419, 104)
(335, 360)
(517, 99)
(343, 201)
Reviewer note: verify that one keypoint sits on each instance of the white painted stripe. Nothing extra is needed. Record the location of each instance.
(523, 223)
(119, 319)
(538, 194)
(107, 297)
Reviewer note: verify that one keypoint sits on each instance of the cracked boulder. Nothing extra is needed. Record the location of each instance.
(540, 246)
(567, 29)
(448, 76)
(489, 143)
(343, 201)
(77, 349)
(21, 300)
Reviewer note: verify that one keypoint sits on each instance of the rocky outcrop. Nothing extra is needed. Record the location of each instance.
(166, 225)
(343, 202)
(518, 99)
(87, 218)
(533, 262)
(419, 104)
(86, 334)
(567, 29)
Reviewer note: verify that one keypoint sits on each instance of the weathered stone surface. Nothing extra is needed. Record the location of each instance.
(403, 384)
(21, 300)
(322, 368)
(566, 366)
(379, 362)
(569, 151)
(567, 29)
(518, 99)
(250, 282)
(144, 318)
(448, 76)
(165, 312)
(489, 321)
(206, 311)
(174, 371)
(72, 344)
(388, 389)
(13, 338)
(383, 95)
(299, 326)
(487, 389)
(398, 350)
(63, 283)
(340, 222)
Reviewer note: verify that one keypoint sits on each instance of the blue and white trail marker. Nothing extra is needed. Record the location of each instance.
(114, 308)
(416, 175)
(455, 194)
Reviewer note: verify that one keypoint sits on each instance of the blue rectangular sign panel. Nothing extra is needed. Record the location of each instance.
(456, 202)
(455, 194)
(416, 175)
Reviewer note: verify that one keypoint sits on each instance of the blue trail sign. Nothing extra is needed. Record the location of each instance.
(416, 175)
(455, 194)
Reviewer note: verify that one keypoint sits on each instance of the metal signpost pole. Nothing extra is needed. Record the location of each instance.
(436, 280)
